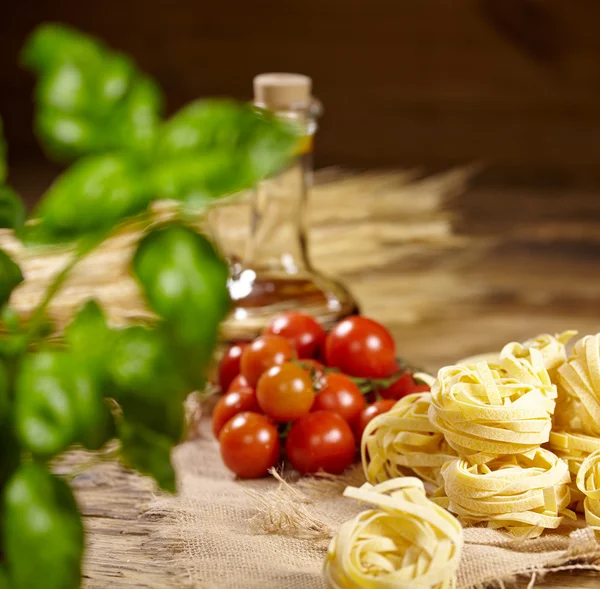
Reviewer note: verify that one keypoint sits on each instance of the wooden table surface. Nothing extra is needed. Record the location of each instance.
(523, 263)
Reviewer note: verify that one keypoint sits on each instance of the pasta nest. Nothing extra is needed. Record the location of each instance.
(588, 482)
(485, 413)
(405, 542)
(580, 377)
(573, 448)
(403, 442)
(552, 351)
(523, 495)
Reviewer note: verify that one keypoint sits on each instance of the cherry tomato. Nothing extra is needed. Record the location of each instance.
(320, 441)
(340, 395)
(361, 347)
(301, 330)
(370, 412)
(237, 401)
(404, 385)
(229, 366)
(239, 382)
(285, 392)
(249, 445)
(265, 351)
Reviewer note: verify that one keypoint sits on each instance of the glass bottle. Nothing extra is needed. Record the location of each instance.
(270, 270)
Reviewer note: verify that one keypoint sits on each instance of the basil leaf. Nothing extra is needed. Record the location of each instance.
(217, 147)
(148, 452)
(185, 282)
(90, 339)
(89, 99)
(12, 209)
(10, 276)
(42, 531)
(92, 196)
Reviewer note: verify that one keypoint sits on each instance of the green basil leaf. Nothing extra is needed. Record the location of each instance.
(65, 88)
(217, 147)
(199, 178)
(89, 99)
(148, 381)
(45, 411)
(65, 136)
(10, 451)
(92, 196)
(148, 452)
(42, 531)
(142, 365)
(164, 416)
(4, 582)
(10, 319)
(59, 401)
(116, 78)
(135, 122)
(4, 396)
(10, 276)
(52, 43)
(94, 421)
(185, 282)
(90, 339)
(12, 209)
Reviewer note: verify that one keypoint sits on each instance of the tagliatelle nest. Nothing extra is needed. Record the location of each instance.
(580, 377)
(529, 365)
(405, 542)
(552, 350)
(573, 448)
(523, 495)
(403, 442)
(484, 414)
(588, 482)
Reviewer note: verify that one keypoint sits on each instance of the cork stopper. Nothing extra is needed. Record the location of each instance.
(281, 91)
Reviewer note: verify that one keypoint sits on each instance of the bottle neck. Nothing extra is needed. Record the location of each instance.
(277, 243)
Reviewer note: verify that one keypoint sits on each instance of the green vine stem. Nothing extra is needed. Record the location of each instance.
(366, 385)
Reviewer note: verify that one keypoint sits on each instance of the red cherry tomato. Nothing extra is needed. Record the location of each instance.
(340, 395)
(404, 385)
(239, 382)
(370, 412)
(301, 330)
(229, 366)
(237, 401)
(265, 351)
(361, 347)
(320, 441)
(249, 445)
(285, 392)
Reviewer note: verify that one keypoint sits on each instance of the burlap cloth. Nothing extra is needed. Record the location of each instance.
(265, 534)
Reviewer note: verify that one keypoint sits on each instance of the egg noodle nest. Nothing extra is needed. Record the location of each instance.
(508, 441)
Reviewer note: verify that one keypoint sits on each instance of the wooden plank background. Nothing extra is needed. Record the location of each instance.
(514, 84)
